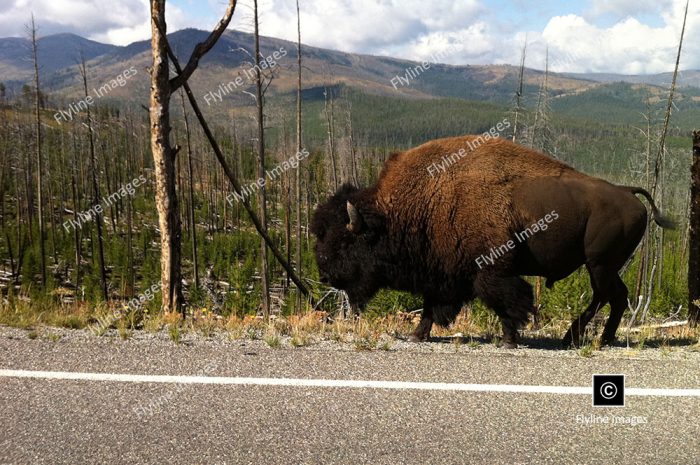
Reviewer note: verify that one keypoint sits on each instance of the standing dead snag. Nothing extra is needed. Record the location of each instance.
(39, 164)
(297, 176)
(95, 185)
(262, 199)
(164, 163)
(694, 239)
(162, 88)
(193, 229)
(517, 111)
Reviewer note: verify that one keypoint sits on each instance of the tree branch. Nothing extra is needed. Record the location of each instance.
(235, 183)
(202, 48)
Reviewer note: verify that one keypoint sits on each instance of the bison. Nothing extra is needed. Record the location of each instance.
(465, 217)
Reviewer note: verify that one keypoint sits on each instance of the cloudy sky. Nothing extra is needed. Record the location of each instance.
(621, 36)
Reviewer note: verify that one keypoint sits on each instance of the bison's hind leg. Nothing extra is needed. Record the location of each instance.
(604, 281)
(512, 300)
(618, 305)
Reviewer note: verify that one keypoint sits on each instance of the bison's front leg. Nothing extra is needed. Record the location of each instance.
(511, 298)
(510, 333)
(422, 332)
(441, 313)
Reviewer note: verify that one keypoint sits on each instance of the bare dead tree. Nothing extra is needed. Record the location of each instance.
(162, 88)
(669, 107)
(519, 94)
(297, 176)
(658, 164)
(39, 157)
(645, 249)
(96, 207)
(193, 229)
(541, 137)
(163, 159)
(262, 200)
(330, 129)
(131, 275)
(76, 203)
(351, 143)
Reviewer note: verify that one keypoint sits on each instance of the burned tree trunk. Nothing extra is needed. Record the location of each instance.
(95, 188)
(517, 111)
(331, 133)
(164, 161)
(162, 87)
(39, 160)
(262, 200)
(193, 229)
(297, 174)
(694, 238)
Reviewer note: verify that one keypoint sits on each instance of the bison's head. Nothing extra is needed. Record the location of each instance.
(349, 247)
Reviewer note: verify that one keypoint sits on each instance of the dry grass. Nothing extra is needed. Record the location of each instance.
(311, 327)
(29, 315)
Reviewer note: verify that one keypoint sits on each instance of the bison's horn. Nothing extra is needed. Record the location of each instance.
(355, 219)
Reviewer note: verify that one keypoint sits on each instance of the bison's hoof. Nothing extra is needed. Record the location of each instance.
(568, 342)
(509, 345)
(417, 338)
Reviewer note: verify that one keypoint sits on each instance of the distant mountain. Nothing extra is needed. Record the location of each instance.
(594, 96)
(687, 78)
(374, 74)
(55, 52)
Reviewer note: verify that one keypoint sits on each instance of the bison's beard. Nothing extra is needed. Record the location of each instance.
(360, 292)
(359, 297)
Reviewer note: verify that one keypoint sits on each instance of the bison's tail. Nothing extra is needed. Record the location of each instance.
(659, 219)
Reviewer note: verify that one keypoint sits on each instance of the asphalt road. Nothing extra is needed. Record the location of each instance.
(61, 421)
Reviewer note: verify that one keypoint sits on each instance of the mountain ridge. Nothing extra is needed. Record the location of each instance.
(570, 92)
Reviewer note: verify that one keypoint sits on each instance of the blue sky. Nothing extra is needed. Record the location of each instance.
(627, 36)
(531, 15)
(524, 14)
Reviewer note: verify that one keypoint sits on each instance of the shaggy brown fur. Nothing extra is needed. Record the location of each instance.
(423, 233)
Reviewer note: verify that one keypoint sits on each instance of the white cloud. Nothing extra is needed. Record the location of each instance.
(366, 26)
(117, 22)
(628, 8)
(628, 46)
(608, 36)
(474, 34)
(474, 44)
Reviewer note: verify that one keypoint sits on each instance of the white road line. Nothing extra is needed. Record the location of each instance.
(337, 383)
